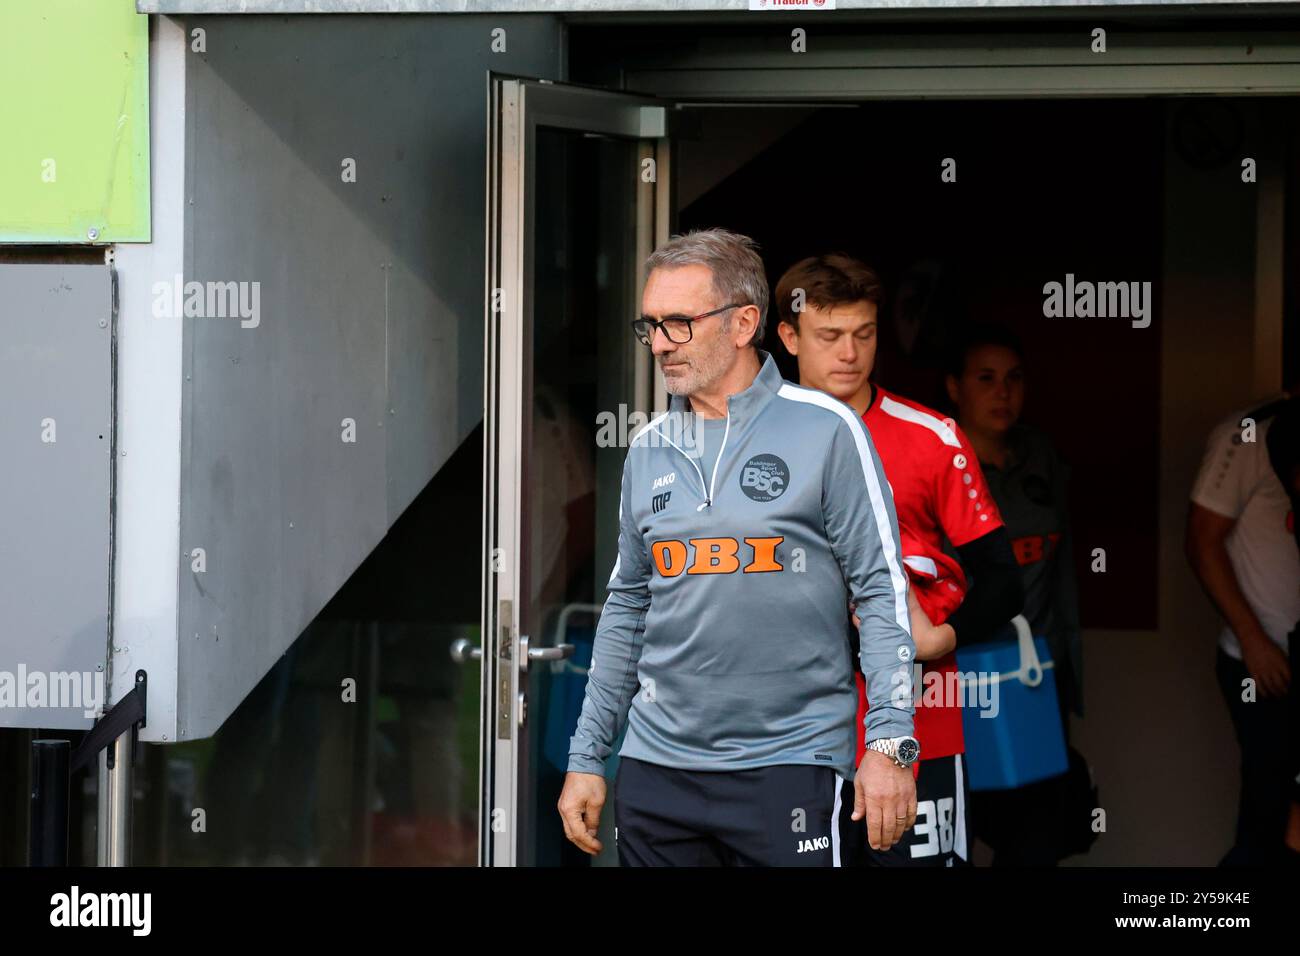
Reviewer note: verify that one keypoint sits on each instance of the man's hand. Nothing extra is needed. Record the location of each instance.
(1267, 663)
(885, 794)
(580, 805)
(932, 641)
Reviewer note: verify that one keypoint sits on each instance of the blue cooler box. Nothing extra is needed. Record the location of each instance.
(1024, 743)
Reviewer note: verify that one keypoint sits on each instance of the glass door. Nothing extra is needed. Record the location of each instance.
(575, 205)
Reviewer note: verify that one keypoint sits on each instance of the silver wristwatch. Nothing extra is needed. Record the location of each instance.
(904, 751)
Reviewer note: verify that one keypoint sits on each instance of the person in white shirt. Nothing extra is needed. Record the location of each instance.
(1241, 544)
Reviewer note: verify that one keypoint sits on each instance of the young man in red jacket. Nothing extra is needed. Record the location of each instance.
(828, 320)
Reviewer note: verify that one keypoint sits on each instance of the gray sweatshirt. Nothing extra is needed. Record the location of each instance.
(722, 642)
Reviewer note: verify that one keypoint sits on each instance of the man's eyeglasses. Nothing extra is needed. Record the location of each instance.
(676, 327)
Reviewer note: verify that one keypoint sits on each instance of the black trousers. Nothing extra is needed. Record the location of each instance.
(1267, 734)
(769, 816)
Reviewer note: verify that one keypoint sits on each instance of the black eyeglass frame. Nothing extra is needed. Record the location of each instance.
(643, 328)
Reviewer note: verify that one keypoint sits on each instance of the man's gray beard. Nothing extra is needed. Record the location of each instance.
(704, 372)
(680, 387)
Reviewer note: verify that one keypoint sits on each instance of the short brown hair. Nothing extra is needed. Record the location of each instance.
(834, 279)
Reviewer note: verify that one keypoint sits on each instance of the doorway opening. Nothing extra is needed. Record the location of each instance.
(1137, 190)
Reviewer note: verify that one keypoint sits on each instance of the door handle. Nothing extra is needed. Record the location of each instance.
(463, 649)
(557, 653)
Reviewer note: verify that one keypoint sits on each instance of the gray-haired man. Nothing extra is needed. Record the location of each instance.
(752, 513)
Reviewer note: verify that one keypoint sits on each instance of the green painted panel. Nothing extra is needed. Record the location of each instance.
(74, 121)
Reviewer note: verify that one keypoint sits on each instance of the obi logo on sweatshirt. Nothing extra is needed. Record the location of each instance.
(716, 556)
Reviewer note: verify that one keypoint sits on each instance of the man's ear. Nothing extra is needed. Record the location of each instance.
(789, 337)
(950, 384)
(747, 321)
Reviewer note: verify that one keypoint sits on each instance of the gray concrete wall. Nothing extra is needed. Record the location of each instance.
(56, 390)
(371, 309)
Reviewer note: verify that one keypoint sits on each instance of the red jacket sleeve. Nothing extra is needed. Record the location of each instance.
(962, 503)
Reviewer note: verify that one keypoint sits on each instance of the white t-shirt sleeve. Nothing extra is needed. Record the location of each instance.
(1229, 471)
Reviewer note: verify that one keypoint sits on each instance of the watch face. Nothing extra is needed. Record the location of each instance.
(908, 750)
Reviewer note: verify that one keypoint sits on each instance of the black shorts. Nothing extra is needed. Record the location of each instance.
(941, 834)
(768, 816)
